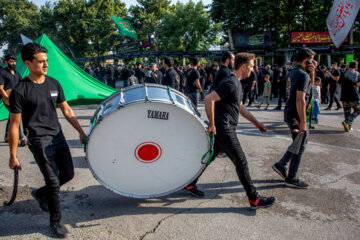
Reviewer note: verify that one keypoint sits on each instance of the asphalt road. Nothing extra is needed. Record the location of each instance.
(329, 209)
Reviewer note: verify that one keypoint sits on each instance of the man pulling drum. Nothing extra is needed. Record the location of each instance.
(222, 107)
(34, 101)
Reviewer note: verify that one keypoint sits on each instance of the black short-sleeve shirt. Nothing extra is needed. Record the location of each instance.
(37, 105)
(190, 80)
(227, 109)
(300, 81)
(349, 89)
(8, 79)
(335, 73)
(220, 75)
(172, 78)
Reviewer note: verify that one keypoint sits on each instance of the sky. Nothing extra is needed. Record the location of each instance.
(127, 2)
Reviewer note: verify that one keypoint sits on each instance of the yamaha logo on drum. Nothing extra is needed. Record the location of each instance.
(158, 115)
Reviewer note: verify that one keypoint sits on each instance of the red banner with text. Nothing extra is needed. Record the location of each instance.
(311, 37)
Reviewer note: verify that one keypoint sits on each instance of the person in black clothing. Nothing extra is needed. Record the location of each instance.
(202, 80)
(222, 107)
(296, 116)
(227, 64)
(324, 84)
(9, 78)
(159, 74)
(34, 102)
(171, 78)
(111, 76)
(333, 78)
(180, 72)
(150, 75)
(192, 81)
(350, 95)
(125, 75)
(282, 87)
(139, 72)
(276, 81)
(248, 86)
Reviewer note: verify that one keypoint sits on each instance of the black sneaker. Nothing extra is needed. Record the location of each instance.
(195, 191)
(280, 170)
(327, 109)
(296, 183)
(339, 107)
(262, 202)
(58, 229)
(43, 204)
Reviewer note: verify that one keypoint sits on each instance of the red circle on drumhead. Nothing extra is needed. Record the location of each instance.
(148, 152)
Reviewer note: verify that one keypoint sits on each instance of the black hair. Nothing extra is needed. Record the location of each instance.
(10, 56)
(169, 61)
(266, 76)
(304, 53)
(225, 56)
(317, 79)
(352, 64)
(243, 58)
(29, 50)
(194, 61)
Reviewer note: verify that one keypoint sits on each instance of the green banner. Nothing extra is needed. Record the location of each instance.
(125, 27)
(349, 58)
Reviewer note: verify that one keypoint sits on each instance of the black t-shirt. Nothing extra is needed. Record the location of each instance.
(300, 81)
(140, 74)
(349, 89)
(220, 75)
(8, 79)
(37, 105)
(160, 76)
(190, 80)
(335, 73)
(227, 109)
(172, 79)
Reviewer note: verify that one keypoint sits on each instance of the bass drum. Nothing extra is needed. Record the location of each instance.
(146, 141)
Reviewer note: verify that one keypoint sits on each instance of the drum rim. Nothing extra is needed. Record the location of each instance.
(139, 195)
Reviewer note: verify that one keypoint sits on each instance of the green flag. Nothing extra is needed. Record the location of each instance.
(125, 27)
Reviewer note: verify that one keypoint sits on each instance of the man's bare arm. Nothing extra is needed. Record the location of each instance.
(198, 85)
(247, 115)
(71, 118)
(15, 119)
(301, 109)
(210, 110)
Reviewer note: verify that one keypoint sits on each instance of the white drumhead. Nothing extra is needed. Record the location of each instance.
(143, 154)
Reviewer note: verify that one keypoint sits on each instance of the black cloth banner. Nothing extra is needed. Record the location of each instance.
(256, 40)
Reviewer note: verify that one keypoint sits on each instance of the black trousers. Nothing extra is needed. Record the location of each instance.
(227, 141)
(333, 96)
(53, 157)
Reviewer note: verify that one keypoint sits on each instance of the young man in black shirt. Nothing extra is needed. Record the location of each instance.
(222, 107)
(227, 64)
(171, 78)
(34, 101)
(296, 115)
(192, 81)
(350, 95)
(9, 78)
(333, 78)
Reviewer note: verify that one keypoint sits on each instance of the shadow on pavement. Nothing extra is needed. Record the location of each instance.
(97, 202)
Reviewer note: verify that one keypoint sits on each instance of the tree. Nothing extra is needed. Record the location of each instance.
(146, 18)
(187, 27)
(20, 16)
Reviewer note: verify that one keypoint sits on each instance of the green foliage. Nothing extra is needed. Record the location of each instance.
(279, 16)
(20, 16)
(146, 16)
(187, 27)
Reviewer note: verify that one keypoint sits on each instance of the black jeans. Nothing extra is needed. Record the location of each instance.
(294, 159)
(227, 141)
(333, 96)
(53, 157)
(193, 98)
